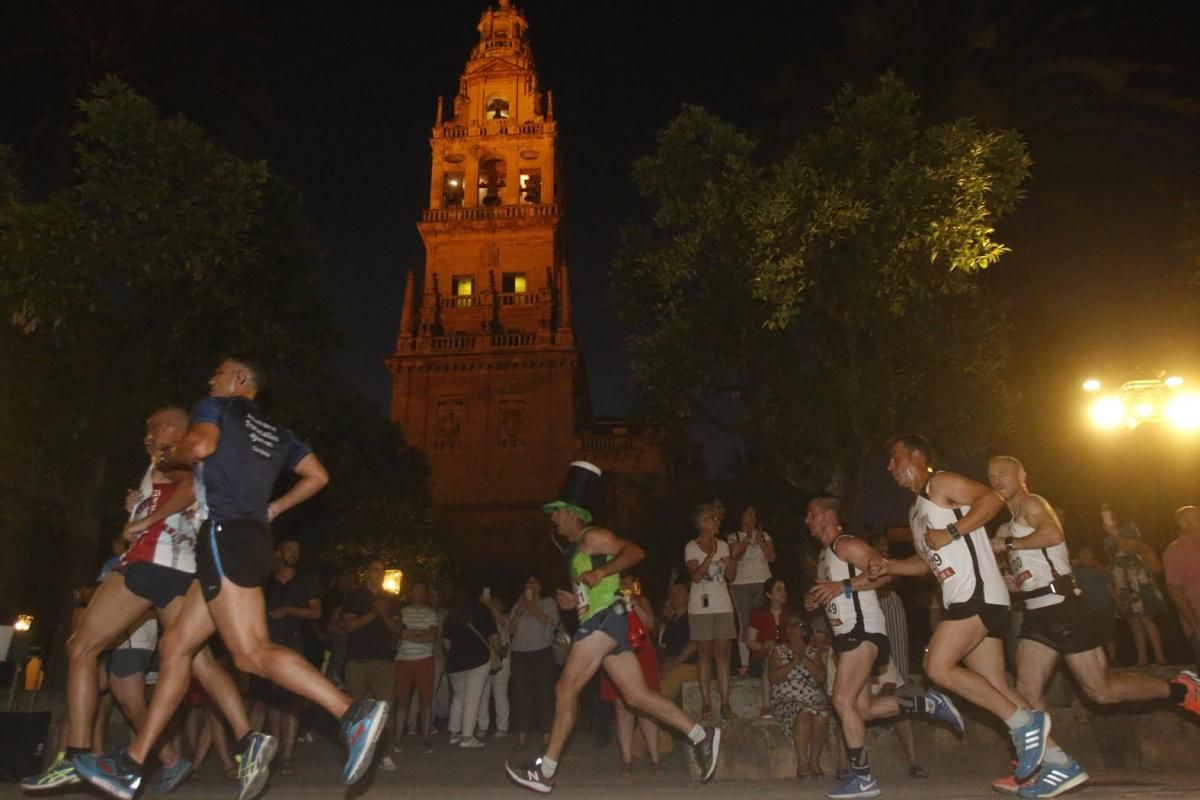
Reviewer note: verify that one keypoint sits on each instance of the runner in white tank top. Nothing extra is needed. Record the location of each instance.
(948, 516)
(1057, 623)
(860, 642)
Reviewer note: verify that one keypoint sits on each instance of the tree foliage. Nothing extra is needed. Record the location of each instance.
(833, 296)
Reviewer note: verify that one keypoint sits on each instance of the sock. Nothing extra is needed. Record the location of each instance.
(913, 705)
(1177, 693)
(77, 751)
(860, 765)
(1019, 720)
(127, 763)
(1056, 757)
(549, 767)
(696, 734)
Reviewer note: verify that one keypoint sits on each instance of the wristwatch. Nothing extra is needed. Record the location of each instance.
(847, 589)
(1008, 544)
(952, 529)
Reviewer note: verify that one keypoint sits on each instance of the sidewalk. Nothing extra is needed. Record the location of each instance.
(451, 773)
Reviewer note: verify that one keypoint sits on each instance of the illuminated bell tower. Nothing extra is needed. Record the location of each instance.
(485, 377)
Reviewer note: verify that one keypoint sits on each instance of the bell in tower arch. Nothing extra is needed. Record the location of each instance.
(491, 181)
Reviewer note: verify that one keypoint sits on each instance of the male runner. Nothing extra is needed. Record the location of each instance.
(860, 641)
(154, 572)
(947, 519)
(595, 558)
(238, 454)
(1057, 622)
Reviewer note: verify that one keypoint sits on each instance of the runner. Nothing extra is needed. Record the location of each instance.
(154, 573)
(238, 454)
(860, 641)
(947, 519)
(595, 558)
(1057, 623)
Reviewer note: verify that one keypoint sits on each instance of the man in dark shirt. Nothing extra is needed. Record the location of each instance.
(679, 651)
(237, 454)
(291, 601)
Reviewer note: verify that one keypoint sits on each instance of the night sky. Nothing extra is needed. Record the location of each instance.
(340, 98)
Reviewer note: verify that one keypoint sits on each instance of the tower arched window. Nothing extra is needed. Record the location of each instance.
(491, 180)
(496, 107)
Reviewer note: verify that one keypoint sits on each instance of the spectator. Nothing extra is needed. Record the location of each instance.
(291, 600)
(415, 665)
(710, 609)
(678, 649)
(495, 691)
(368, 620)
(1100, 596)
(766, 629)
(799, 701)
(753, 550)
(1132, 566)
(641, 627)
(531, 624)
(468, 634)
(1182, 562)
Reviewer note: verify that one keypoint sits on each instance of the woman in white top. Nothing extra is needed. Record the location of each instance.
(754, 551)
(710, 607)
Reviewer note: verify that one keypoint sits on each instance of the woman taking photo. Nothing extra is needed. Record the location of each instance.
(798, 701)
(710, 608)
(531, 624)
(754, 551)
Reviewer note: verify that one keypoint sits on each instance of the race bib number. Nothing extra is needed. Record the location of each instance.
(581, 598)
(945, 574)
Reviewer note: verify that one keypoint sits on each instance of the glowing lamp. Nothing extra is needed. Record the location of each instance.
(1144, 410)
(392, 580)
(1108, 412)
(24, 623)
(1184, 412)
(1174, 382)
(1091, 385)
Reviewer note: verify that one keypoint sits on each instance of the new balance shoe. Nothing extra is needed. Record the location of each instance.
(254, 764)
(1055, 780)
(170, 777)
(530, 776)
(1030, 743)
(1191, 682)
(942, 708)
(61, 772)
(361, 734)
(707, 750)
(856, 786)
(111, 773)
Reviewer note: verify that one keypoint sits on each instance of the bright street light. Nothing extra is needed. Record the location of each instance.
(1148, 397)
(1108, 412)
(1091, 385)
(1184, 411)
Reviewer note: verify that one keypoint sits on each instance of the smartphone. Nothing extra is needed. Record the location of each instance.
(487, 593)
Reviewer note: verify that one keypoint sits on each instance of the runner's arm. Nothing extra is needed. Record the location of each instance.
(859, 553)
(913, 566)
(313, 478)
(952, 489)
(625, 554)
(1047, 531)
(183, 496)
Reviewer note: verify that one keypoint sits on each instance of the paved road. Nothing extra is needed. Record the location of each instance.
(590, 772)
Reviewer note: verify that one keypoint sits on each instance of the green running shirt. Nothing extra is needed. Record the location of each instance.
(591, 599)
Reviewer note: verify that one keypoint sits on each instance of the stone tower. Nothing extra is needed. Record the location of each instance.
(486, 374)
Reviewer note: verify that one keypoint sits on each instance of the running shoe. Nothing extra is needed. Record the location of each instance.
(530, 776)
(1030, 743)
(61, 772)
(470, 741)
(254, 764)
(1010, 785)
(707, 750)
(170, 777)
(1055, 780)
(1191, 682)
(942, 708)
(855, 786)
(108, 774)
(361, 735)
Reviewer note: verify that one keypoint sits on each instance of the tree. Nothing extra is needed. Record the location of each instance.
(119, 292)
(821, 302)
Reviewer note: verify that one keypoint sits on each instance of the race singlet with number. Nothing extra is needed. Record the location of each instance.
(592, 599)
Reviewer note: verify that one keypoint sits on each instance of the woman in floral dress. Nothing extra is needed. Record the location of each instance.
(798, 701)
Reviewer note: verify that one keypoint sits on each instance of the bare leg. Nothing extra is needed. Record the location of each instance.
(983, 681)
(130, 694)
(722, 650)
(904, 732)
(704, 661)
(583, 659)
(626, 673)
(1106, 687)
(1139, 641)
(1152, 633)
(820, 732)
(625, 723)
(802, 730)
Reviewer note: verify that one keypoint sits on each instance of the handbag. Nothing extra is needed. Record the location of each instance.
(495, 657)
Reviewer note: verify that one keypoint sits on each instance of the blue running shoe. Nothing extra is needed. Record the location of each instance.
(60, 773)
(942, 708)
(361, 734)
(170, 777)
(107, 774)
(1055, 780)
(254, 764)
(1030, 743)
(854, 787)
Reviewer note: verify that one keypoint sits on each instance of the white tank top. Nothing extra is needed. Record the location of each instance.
(1035, 569)
(966, 568)
(861, 610)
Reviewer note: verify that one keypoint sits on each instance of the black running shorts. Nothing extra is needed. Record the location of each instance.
(1065, 627)
(156, 583)
(994, 617)
(845, 642)
(241, 550)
